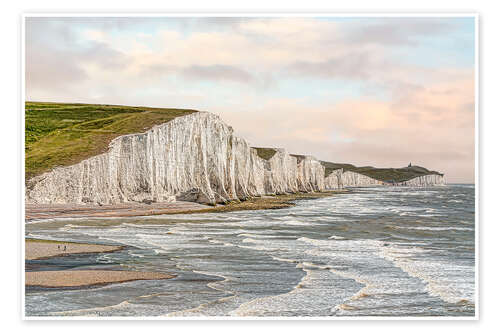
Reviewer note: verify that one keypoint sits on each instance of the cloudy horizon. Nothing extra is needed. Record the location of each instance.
(368, 91)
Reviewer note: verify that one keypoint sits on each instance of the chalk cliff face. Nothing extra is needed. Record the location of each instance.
(195, 158)
(339, 179)
(191, 158)
(354, 179)
(310, 174)
(334, 180)
(280, 173)
(423, 181)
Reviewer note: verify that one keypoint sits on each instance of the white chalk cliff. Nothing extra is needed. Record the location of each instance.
(195, 158)
(310, 174)
(339, 179)
(334, 180)
(354, 179)
(423, 181)
(190, 158)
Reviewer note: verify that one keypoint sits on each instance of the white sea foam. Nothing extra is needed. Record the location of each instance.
(212, 308)
(214, 241)
(436, 228)
(451, 282)
(381, 279)
(315, 293)
(335, 237)
(265, 236)
(92, 312)
(250, 240)
(340, 275)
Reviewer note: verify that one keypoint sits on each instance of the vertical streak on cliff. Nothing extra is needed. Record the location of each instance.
(195, 157)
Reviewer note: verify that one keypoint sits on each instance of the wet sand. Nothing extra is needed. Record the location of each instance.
(131, 209)
(44, 211)
(75, 278)
(39, 249)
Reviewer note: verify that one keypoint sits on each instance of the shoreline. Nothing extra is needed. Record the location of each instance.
(43, 211)
(37, 249)
(87, 278)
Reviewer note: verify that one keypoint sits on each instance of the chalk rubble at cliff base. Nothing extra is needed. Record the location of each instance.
(195, 158)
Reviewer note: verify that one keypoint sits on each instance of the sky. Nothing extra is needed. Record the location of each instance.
(368, 91)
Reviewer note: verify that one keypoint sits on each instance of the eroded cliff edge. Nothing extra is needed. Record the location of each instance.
(194, 158)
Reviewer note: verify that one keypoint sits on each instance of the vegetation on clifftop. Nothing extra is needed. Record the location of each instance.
(265, 153)
(61, 134)
(383, 174)
(330, 167)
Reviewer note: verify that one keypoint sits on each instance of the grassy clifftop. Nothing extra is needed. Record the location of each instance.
(383, 174)
(330, 167)
(265, 153)
(60, 134)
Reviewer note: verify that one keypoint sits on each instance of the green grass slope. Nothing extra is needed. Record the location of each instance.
(330, 167)
(383, 174)
(61, 134)
(265, 153)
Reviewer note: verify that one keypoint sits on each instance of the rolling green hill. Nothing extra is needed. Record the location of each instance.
(61, 134)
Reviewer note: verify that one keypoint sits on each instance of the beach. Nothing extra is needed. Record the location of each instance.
(37, 249)
(131, 209)
(44, 211)
(41, 249)
(45, 249)
(382, 251)
(81, 278)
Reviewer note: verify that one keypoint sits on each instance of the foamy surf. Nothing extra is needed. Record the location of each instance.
(375, 252)
(315, 293)
(442, 279)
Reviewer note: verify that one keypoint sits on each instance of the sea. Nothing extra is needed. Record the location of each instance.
(371, 252)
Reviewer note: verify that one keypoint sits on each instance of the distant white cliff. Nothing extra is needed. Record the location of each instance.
(339, 179)
(354, 179)
(333, 181)
(423, 181)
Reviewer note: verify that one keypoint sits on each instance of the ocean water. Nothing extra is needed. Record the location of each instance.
(386, 251)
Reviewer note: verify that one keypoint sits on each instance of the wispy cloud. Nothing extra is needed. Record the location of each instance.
(217, 72)
(397, 31)
(363, 90)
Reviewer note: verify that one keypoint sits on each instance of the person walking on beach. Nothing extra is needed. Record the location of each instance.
(64, 247)
(58, 247)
